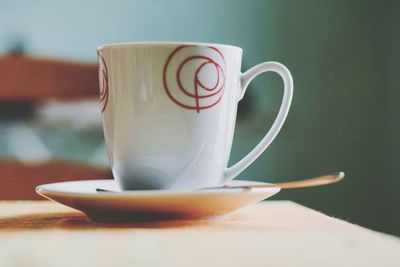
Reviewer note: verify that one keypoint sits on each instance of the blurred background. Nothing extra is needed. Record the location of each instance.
(344, 57)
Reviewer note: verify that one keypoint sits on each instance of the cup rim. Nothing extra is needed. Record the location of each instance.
(160, 44)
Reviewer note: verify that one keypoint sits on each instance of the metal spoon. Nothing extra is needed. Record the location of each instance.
(317, 181)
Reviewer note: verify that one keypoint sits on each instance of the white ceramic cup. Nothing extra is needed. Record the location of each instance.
(169, 112)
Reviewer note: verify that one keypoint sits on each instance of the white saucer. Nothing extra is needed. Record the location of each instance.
(150, 204)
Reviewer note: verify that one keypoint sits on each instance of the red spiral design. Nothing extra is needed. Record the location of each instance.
(195, 94)
(103, 80)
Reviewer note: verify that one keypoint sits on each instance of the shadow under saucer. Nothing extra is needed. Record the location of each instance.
(78, 221)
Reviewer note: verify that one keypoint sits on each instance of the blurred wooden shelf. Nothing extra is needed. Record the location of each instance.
(25, 77)
(20, 179)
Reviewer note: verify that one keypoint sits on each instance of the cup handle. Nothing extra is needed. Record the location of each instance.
(246, 78)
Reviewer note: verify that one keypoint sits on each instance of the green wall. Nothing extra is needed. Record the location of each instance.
(390, 177)
(345, 111)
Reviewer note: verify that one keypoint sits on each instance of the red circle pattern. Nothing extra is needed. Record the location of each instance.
(103, 80)
(199, 96)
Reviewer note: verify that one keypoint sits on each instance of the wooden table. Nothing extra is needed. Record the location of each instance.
(273, 233)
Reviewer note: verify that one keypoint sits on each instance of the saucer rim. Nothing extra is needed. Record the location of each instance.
(43, 190)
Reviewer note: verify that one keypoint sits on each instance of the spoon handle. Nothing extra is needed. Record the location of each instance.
(317, 181)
